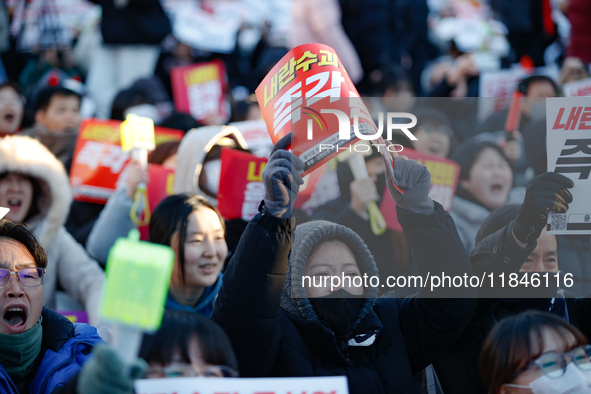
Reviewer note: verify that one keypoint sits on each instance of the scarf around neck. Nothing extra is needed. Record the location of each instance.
(18, 352)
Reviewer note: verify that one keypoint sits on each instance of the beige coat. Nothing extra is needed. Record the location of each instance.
(78, 274)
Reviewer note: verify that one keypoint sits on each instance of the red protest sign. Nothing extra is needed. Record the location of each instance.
(160, 186)
(305, 93)
(310, 182)
(98, 158)
(445, 174)
(200, 90)
(241, 184)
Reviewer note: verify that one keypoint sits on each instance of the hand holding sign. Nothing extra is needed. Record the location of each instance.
(282, 179)
(546, 192)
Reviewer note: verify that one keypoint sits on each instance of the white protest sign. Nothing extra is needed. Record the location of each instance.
(3, 211)
(208, 31)
(256, 135)
(568, 143)
(580, 88)
(42, 23)
(311, 385)
(501, 85)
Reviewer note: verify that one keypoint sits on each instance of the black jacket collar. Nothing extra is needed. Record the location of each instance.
(57, 330)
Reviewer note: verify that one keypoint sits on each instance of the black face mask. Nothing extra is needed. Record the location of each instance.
(340, 310)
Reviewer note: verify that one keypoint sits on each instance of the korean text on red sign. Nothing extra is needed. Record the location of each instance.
(303, 94)
(200, 90)
(99, 159)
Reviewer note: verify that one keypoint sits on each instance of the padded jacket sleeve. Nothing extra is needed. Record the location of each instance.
(431, 320)
(247, 306)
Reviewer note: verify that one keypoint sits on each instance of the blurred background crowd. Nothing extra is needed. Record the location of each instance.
(449, 62)
(63, 61)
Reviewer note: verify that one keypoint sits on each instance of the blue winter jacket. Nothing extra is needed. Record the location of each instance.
(65, 348)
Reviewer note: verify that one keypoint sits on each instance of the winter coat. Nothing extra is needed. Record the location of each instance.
(320, 21)
(65, 348)
(68, 263)
(496, 254)
(394, 339)
(574, 254)
(137, 22)
(579, 15)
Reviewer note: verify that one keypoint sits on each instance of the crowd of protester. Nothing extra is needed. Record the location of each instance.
(236, 302)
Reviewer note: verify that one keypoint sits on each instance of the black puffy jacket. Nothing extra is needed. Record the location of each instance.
(138, 22)
(411, 332)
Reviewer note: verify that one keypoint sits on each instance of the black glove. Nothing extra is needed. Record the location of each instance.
(282, 179)
(546, 192)
(415, 179)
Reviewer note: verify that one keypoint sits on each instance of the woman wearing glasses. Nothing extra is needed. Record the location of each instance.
(538, 353)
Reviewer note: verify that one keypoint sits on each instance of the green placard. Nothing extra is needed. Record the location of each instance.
(137, 279)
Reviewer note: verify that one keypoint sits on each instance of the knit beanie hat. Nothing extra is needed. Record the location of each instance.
(294, 298)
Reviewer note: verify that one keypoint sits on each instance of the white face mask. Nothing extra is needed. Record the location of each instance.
(213, 170)
(574, 381)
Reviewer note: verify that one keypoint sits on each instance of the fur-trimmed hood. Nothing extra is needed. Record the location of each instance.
(192, 151)
(27, 156)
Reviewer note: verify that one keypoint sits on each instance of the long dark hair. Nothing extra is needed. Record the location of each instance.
(172, 214)
(517, 341)
(178, 329)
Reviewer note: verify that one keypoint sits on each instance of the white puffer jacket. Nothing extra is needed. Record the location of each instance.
(78, 274)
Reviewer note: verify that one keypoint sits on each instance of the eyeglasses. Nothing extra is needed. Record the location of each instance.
(554, 364)
(29, 277)
(185, 370)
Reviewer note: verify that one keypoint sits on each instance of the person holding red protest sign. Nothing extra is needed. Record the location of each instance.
(281, 327)
(34, 185)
